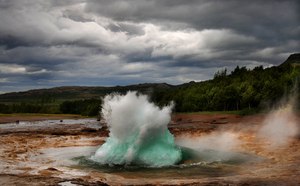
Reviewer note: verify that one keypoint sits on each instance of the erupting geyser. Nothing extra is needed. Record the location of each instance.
(138, 133)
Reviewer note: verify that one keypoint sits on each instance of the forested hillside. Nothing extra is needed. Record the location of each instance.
(242, 89)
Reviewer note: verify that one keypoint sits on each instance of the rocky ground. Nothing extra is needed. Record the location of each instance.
(38, 155)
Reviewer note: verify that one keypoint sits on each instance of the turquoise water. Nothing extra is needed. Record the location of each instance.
(158, 150)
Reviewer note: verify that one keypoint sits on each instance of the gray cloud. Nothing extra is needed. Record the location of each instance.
(273, 23)
(130, 29)
(203, 14)
(103, 42)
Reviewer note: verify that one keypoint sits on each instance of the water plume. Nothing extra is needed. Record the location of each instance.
(138, 133)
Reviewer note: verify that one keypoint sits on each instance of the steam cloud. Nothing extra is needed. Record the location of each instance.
(223, 141)
(279, 127)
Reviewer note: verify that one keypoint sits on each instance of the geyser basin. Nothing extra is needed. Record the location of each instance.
(138, 133)
(180, 171)
(195, 164)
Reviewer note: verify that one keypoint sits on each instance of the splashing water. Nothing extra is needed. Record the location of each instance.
(138, 133)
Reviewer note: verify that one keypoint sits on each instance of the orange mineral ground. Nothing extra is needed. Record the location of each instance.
(43, 152)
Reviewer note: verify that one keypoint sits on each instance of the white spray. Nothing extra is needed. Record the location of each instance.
(138, 133)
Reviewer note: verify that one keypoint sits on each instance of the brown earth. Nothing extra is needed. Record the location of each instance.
(23, 161)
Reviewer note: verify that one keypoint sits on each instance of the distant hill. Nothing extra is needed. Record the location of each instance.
(77, 92)
(238, 90)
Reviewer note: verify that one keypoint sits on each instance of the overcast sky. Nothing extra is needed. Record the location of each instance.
(48, 43)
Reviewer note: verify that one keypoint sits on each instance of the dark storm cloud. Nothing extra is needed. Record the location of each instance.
(255, 16)
(102, 42)
(272, 22)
